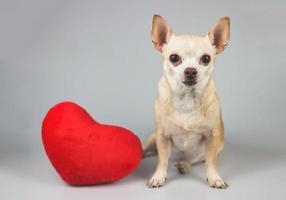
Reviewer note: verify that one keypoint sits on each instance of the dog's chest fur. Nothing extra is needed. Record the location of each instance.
(187, 122)
(184, 121)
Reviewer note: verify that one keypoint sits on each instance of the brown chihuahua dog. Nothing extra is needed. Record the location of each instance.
(188, 112)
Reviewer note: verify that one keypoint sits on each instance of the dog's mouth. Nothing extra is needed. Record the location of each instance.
(190, 82)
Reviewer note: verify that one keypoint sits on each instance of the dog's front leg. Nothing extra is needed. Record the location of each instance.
(214, 144)
(164, 150)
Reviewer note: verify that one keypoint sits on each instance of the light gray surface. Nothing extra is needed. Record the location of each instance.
(99, 54)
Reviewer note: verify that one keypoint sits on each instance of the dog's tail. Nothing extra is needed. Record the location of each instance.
(149, 146)
(149, 153)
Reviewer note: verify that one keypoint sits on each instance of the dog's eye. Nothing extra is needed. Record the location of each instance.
(175, 59)
(205, 59)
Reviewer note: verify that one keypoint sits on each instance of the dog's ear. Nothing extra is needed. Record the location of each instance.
(161, 32)
(219, 34)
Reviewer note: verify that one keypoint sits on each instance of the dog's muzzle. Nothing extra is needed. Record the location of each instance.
(190, 74)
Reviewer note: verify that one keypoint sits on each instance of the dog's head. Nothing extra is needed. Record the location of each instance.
(188, 59)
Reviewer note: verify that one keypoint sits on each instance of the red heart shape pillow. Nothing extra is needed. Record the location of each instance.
(86, 152)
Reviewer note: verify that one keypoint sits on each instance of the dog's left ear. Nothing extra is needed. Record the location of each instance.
(219, 34)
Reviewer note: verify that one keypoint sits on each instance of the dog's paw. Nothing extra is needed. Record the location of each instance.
(157, 180)
(217, 183)
(183, 166)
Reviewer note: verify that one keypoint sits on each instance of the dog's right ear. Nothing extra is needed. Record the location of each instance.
(161, 32)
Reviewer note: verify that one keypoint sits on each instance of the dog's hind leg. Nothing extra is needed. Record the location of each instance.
(183, 166)
(149, 145)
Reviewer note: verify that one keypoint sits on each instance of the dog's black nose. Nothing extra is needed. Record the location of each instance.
(190, 72)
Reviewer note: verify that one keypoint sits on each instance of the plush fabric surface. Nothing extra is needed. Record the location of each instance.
(86, 152)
